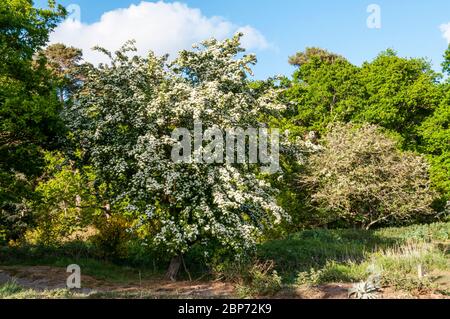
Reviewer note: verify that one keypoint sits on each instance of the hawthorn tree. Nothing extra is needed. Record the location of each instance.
(362, 178)
(124, 116)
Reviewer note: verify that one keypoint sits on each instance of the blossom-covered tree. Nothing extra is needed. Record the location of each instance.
(124, 118)
(361, 177)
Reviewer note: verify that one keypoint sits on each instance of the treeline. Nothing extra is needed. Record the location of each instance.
(404, 98)
(85, 150)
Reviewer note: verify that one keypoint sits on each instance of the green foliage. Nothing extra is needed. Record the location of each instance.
(88, 256)
(9, 288)
(435, 132)
(66, 202)
(299, 252)
(393, 92)
(393, 255)
(399, 265)
(13, 291)
(114, 236)
(312, 257)
(400, 94)
(29, 119)
(361, 177)
(325, 88)
(426, 233)
(446, 63)
(262, 280)
(332, 271)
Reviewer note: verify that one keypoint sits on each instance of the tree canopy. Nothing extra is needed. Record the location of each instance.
(124, 117)
(29, 109)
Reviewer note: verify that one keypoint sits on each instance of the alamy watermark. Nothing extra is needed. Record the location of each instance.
(232, 146)
(74, 279)
(73, 13)
(374, 19)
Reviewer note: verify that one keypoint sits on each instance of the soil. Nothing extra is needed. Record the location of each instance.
(340, 291)
(42, 278)
(49, 278)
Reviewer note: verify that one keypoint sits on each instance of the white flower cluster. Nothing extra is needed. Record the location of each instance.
(125, 115)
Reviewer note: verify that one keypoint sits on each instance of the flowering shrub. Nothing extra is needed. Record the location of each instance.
(361, 177)
(124, 116)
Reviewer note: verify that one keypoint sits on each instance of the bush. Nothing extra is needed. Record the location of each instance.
(113, 237)
(262, 280)
(361, 177)
(65, 205)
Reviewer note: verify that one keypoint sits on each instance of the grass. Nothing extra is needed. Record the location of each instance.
(317, 257)
(102, 270)
(46, 294)
(22, 293)
(9, 288)
(315, 248)
(12, 290)
(310, 257)
(62, 256)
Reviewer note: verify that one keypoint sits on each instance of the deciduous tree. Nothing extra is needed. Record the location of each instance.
(29, 109)
(125, 115)
(361, 177)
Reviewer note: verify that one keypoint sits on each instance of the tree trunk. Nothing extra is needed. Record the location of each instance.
(174, 267)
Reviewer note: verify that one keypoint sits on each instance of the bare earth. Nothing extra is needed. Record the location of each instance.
(49, 278)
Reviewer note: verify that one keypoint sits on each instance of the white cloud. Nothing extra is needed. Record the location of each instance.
(160, 27)
(445, 28)
(252, 38)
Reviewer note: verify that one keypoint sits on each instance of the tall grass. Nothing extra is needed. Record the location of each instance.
(9, 288)
(316, 257)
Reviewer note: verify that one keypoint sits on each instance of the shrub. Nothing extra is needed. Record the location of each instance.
(262, 280)
(65, 204)
(113, 237)
(362, 178)
(311, 277)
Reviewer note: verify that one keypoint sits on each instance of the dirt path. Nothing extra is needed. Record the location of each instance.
(340, 291)
(42, 278)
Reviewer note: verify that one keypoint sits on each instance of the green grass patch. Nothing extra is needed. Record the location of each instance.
(9, 288)
(322, 256)
(310, 257)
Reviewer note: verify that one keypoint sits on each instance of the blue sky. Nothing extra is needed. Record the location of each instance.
(279, 28)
